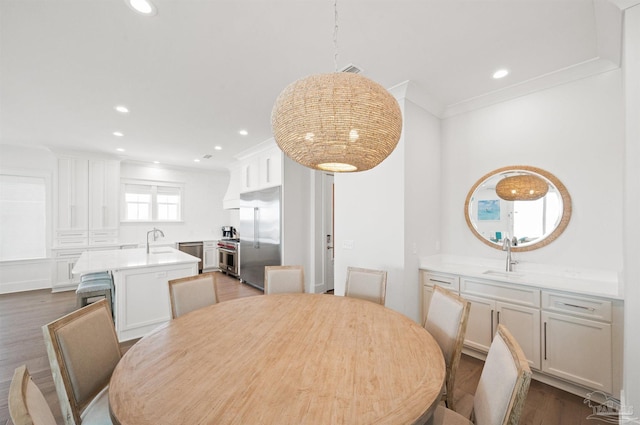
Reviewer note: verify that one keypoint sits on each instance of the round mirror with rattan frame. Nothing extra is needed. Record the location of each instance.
(522, 169)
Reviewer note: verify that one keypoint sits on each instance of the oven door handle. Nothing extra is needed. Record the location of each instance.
(230, 251)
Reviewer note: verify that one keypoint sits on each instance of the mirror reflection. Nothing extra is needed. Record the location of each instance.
(528, 220)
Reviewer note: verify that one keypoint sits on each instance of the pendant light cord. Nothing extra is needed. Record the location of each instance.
(335, 35)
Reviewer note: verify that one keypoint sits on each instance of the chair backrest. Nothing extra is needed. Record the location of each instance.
(283, 280)
(366, 284)
(192, 293)
(503, 384)
(83, 350)
(27, 405)
(447, 323)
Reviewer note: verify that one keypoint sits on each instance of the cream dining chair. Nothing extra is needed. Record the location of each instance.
(502, 389)
(83, 350)
(366, 284)
(447, 323)
(283, 280)
(27, 405)
(192, 293)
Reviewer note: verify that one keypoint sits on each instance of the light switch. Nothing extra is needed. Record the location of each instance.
(347, 244)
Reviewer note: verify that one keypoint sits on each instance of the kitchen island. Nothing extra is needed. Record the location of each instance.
(141, 298)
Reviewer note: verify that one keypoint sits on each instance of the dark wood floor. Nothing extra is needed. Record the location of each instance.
(23, 314)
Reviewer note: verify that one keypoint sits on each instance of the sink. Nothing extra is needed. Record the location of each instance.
(502, 273)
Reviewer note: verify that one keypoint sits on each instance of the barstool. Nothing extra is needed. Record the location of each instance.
(95, 285)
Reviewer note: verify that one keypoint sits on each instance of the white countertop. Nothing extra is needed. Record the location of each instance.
(118, 259)
(600, 283)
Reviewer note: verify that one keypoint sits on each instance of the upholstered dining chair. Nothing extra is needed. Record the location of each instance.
(27, 405)
(366, 284)
(283, 280)
(447, 323)
(502, 389)
(192, 293)
(83, 350)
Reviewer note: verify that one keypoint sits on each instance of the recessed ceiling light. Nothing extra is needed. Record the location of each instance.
(120, 150)
(196, 160)
(243, 132)
(500, 73)
(118, 134)
(144, 7)
(218, 148)
(122, 109)
(156, 162)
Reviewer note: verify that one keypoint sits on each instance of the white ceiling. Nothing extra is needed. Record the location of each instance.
(200, 70)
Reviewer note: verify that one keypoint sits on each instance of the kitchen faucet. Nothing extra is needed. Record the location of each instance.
(506, 246)
(155, 235)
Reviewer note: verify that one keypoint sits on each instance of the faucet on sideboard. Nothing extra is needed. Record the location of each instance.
(155, 235)
(506, 246)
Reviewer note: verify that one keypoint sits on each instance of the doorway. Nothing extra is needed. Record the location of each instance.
(328, 196)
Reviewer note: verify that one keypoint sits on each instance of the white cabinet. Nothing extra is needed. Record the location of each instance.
(571, 341)
(428, 280)
(521, 315)
(480, 326)
(87, 199)
(142, 297)
(577, 348)
(270, 168)
(210, 259)
(64, 261)
(73, 197)
(261, 170)
(104, 177)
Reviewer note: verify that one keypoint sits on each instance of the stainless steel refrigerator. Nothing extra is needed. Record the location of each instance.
(260, 234)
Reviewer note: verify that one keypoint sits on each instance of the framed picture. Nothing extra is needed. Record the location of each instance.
(489, 209)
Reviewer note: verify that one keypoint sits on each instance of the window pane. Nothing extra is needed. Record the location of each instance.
(22, 217)
(138, 205)
(151, 202)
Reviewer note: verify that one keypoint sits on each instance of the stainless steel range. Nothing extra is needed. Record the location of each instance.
(229, 256)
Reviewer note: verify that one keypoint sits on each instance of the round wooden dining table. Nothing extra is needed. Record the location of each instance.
(281, 359)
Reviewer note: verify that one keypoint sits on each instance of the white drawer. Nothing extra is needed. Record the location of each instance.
(96, 241)
(63, 254)
(103, 234)
(501, 292)
(74, 234)
(72, 242)
(593, 308)
(210, 244)
(449, 281)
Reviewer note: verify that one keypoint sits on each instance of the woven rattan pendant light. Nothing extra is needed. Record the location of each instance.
(523, 187)
(341, 122)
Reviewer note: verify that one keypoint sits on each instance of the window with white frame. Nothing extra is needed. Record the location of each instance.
(151, 201)
(23, 216)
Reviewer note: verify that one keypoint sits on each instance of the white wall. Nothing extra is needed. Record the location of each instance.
(29, 274)
(203, 213)
(631, 376)
(422, 199)
(576, 132)
(369, 214)
(391, 213)
(297, 227)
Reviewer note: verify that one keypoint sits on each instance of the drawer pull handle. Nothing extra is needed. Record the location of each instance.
(545, 340)
(440, 281)
(576, 306)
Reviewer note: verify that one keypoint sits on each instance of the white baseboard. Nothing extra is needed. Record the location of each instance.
(27, 285)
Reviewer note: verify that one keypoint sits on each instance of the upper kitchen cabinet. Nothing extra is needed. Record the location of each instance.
(261, 168)
(104, 177)
(73, 200)
(87, 211)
